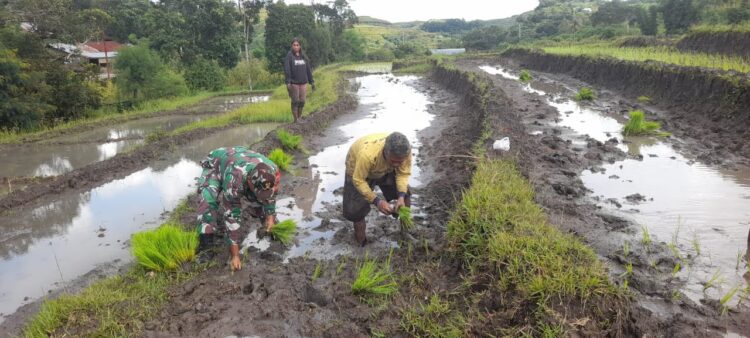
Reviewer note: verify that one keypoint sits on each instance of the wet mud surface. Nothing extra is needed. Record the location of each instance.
(572, 158)
(275, 294)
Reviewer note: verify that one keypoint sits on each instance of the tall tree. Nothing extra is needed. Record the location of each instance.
(284, 23)
(648, 20)
(678, 15)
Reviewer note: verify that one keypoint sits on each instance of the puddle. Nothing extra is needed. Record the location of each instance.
(695, 206)
(386, 103)
(43, 247)
(70, 152)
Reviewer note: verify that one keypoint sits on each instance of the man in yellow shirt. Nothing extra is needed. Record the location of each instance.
(382, 160)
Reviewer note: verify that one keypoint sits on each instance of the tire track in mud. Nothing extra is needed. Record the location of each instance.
(553, 165)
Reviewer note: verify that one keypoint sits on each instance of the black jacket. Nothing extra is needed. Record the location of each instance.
(297, 69)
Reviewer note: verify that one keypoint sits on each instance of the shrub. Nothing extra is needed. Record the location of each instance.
(284, 231)
(525, 76)
(288, 140)
(205, 74)
(282, 159)
(255, 73)
(637, 125)
(585, 94)
(164, 248)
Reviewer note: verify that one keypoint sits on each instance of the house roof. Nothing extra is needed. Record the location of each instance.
(99, 46)
(84, 50)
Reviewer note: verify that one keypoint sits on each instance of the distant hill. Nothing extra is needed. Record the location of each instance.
(368, 20)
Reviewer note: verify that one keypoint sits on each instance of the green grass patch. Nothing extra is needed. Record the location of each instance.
(370, 67)
(661, 54)
(288, 140)
(374, 279)
(282, 159)
(277, 108)
(525, 76)
(585, 94)
(637, 125)
(164, 248)
(644, 99)
(284, 231)
(405, 218)
(436, 318)
(509, 247)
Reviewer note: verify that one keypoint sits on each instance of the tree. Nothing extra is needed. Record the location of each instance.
(142, 75)
(485, 38)
(284, 23)
(648, 20)
(678, 15)
(612, 13)
(205, 74)
(22, 92)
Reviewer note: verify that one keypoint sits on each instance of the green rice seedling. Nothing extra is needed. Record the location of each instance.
(724, 301)
(676, 295)
(284, 231)
(341, 266)
(164, 248)
(288, 140)
(637, 125)
(317, 272)
(696, 244)
(404, 217)
(525, 76)
(714, 281)
(628, 270)
(646, 237)
(677, 268)
(374, 280)
(644, 99)
(626, 249)
(585, 94)
(282, 159)
(741, 262)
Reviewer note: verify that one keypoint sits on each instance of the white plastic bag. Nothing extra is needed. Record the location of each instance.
(502, 144)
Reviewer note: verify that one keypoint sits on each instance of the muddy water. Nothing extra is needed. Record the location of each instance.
(387, 103)
(54, 242)
(702, 210)
(62, 154)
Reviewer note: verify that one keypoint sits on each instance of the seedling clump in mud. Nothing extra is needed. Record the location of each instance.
(374, 280)
(164, 248)
(585, 94)
(282, 159)
(525, 76)
(284, 231)
(637, 125)
(288, 140)
(404, 217)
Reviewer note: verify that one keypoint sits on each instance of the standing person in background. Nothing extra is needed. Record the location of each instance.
(298, 73)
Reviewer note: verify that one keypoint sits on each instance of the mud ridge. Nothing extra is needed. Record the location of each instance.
(733, 43)
(709, 106)
(124, 164)
(553, 166)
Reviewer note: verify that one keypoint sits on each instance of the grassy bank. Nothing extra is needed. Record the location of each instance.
(521, 276)
(660, 54)
(278, 108)
(110, 115)
(116, 306)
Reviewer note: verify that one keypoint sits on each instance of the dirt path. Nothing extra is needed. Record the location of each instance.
(273, 299)
(553, 164)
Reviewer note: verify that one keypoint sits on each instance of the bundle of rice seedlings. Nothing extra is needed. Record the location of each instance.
(284, 231)
(637, 125)
(288, 140)
(585, 94)
(373, 280)
(282, 159)
(525, 76)
(404, 216)
(164, 248)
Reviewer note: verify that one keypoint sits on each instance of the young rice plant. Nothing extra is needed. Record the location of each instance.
(164, 248)
(282, 159)
(284, 231)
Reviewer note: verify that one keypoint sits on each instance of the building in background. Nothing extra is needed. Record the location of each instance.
(100, 53)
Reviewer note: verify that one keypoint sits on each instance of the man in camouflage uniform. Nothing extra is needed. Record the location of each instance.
(228, 175)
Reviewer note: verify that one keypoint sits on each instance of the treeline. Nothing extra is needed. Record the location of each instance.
(580, 19)
(174, 48)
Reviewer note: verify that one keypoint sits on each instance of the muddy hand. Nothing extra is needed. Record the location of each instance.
(384, 207)
(236, 263)
(270, 222)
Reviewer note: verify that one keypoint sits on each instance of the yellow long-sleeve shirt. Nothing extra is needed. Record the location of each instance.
(365, 161)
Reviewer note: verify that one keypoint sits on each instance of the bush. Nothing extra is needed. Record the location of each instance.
(164, 248)
(381, 54)
(637, 125)
(282, 159)
(254, 74)
(141, 75)
(585, 94)
(205, 74)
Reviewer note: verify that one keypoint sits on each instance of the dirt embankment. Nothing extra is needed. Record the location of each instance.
(553, 165)
(709, 106)
(124, 164)
(733, 43)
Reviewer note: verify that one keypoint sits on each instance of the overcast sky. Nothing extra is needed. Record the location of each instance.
(422, 10)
